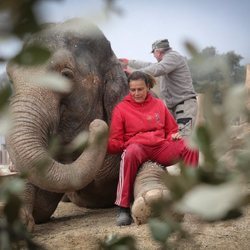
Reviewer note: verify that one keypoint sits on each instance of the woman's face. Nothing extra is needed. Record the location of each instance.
(138, 90)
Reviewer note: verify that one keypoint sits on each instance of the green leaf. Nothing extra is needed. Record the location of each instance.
(79, 142)
(212, 202)
(5, 122)
(178, 185)
(13, 186)
(115, 242)
(191, 48)
(12, 208)
(53, 81)
(204, 142)
(160, 230)
(243, 160)
(32, 56)
(5, 94)
(4, 239)
(26, 24)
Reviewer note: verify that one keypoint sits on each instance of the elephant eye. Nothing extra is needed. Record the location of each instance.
(68, 73)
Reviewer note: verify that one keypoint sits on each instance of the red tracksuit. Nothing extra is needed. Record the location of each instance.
(142, 131)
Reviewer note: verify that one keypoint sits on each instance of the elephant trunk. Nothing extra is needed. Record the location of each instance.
(34, 121)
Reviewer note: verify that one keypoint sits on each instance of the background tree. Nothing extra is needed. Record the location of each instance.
(237, 71)
(210, 67)
(216, 71)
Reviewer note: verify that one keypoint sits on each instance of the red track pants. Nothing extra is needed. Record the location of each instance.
(166, 154)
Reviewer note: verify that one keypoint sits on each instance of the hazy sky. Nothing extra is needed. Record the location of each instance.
(223, 24)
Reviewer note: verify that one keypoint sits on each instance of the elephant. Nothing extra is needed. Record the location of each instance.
(79, 52)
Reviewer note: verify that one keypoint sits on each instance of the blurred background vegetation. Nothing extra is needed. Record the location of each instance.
(220, 77)
(211, 69)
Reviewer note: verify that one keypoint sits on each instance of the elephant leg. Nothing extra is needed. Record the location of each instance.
(27, 208)
(45, 205)
(94, 195)
(148, 189)
(38, 206)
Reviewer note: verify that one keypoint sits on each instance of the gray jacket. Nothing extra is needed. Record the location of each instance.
(174, 77)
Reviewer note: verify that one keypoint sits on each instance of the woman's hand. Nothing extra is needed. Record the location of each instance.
(176, 136)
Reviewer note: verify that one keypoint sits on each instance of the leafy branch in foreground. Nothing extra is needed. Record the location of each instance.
(217, 190)
(13, 233)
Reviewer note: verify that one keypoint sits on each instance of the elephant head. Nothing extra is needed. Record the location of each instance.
(81, 53)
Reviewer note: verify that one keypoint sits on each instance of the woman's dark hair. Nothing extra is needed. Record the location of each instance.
(139, 75)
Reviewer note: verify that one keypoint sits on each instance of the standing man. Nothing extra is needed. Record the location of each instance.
(176, 87)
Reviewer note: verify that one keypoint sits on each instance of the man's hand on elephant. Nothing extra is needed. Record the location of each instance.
(127, 71)
(176, 136)
(123, 60)
(124, 63)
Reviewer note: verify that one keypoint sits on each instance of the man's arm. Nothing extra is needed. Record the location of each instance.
(168, 64)
(136, 64)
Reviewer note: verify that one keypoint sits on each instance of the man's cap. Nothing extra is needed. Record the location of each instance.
(160, 44)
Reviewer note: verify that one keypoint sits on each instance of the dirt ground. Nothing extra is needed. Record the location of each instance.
(72, 227)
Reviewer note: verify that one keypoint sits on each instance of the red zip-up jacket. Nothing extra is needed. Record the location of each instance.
(147, 123)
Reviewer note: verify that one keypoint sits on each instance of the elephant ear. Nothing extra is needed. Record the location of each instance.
(116, 87)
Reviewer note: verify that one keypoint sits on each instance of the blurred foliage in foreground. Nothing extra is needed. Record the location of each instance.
(215, 191)
(13, 233)
(218, 189)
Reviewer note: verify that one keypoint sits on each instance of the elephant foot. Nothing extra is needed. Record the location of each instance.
(142, 206)
(27, 219)
(148, 190)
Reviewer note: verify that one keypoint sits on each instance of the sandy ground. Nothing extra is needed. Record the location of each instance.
(72, 227)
